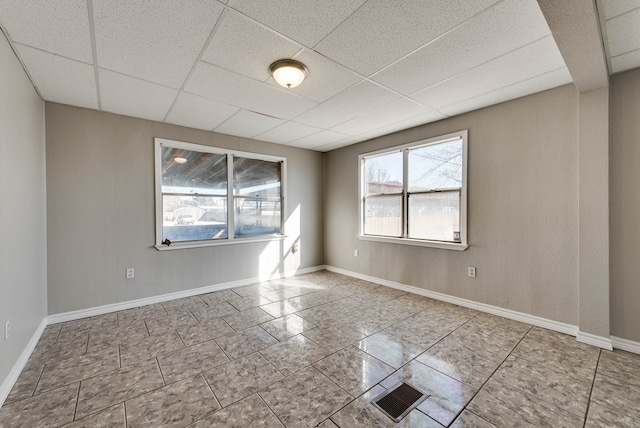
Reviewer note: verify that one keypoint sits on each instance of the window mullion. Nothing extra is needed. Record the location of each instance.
(405, 193)
(230, 199)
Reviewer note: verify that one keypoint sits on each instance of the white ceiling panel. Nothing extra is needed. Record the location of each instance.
(306, 21)
(384, 116)
(247, 48)
(60, 27)
(537, 84)
(500, 29)
(623, 33)
(355, 101)
(157, 41)
(287, 132)
(342, 143)
(60, 79)
(326, 78)
(525, 63)
(231, 88)
(370, 38)
(248, 124)
(319, 139)
(204, 63)
(133, 97)
(404, 124)
(620, 21)
(613, 8)
(625, 61)
(197, 112)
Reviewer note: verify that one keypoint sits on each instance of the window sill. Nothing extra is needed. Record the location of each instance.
(199, 244)
(416, 242)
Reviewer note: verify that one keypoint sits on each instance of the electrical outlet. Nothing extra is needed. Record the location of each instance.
(7, 329)
(130, 273)
(472, 272)
(355, 253)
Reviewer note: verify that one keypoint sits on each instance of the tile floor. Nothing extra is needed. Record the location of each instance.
(313, 351)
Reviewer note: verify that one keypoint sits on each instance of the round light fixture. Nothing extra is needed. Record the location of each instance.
(178, 159)
(288, 72)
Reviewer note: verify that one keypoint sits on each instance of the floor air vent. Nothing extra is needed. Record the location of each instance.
(398, 401)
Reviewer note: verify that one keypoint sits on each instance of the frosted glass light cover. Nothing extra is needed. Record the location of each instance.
(288, 73)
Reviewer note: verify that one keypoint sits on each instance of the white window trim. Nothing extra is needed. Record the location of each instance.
(231, 239)
(456, 246)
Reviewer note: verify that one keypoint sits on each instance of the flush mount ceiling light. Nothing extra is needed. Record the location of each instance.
(178, 159)
(288, 72)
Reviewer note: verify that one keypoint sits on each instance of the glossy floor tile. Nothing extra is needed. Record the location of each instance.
(313, 351)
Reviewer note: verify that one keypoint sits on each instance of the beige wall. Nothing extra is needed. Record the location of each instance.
(625, 204)
(100, 190)
(522, 216)
(22, 209)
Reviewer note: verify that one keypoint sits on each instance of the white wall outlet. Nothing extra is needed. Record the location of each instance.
(7, 329)
(472, 272)
(355, 253)
(131, 273)
(295, 248)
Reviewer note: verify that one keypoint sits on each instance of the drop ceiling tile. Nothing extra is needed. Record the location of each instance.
(500, 29)
(355, 101)
(233, 89)
(242, 46)
(287, 132)
(60, 27)
(384, 116)
(623, 33)
(342, 143)
(537, 84)
(60, 79)
(527, 62)
(319, 139)
(625, 61)
(326, 78)
(197, 112)
(306, 21)
(156, 41)
(133, 97)
(616, 7)
(248, 124)
(369, 39)
(404, 124)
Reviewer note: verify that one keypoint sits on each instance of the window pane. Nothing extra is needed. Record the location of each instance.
(383, 173)
(189, 218)
(383, 215)
(187, 171)
(255, 177)
(437, 166)
(435, 216)
(256, 216)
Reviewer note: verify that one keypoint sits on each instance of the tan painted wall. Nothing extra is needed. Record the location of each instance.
(100, 188)
(625, 204)
(522, 216)
(22, 209)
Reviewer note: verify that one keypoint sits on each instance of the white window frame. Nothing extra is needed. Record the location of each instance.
(457, 246)
(231, 239)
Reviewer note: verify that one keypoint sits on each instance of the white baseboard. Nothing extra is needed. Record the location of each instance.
(11, 379)
(625, 344)
(482, 307)
(592, 339)
(114, 307)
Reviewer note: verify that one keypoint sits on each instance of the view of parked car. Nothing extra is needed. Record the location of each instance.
(185, 219)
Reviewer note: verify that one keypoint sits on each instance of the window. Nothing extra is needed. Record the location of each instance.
(196, 185)
(416, 193)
